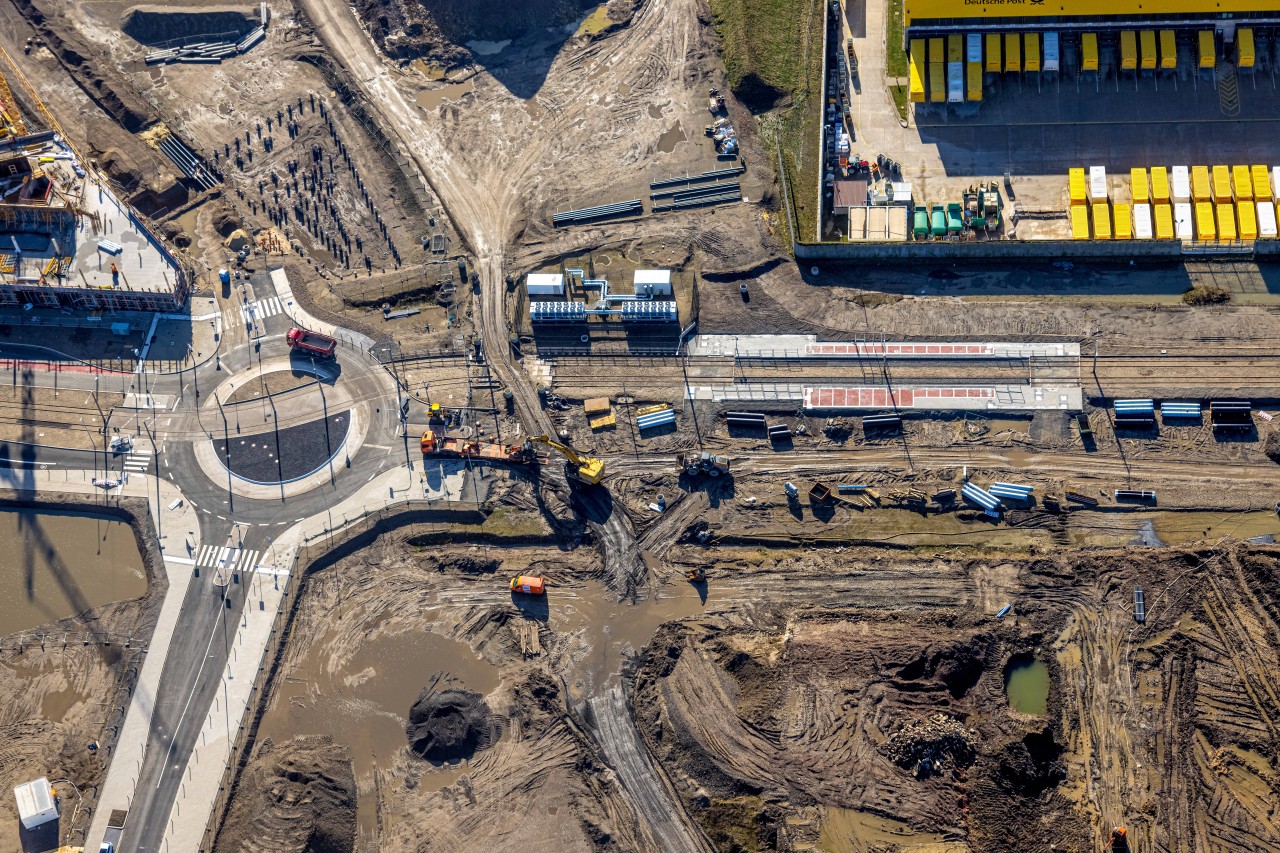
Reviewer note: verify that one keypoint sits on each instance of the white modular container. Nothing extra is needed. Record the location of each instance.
(974, 48)
(1180, 183)
(955, 82)
(1142, 222)
(654, 282)
(1051, 54)
(544, 284)
(36, 805)
(1183, 223)
(1097, 183)
(1267, 219)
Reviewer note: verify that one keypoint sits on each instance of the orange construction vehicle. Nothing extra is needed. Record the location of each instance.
(1119, 840)
(529, 585)
(464, 448)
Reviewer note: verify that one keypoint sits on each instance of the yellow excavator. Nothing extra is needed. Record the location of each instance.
(588, 469)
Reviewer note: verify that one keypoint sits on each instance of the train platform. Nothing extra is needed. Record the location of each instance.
(808, 346)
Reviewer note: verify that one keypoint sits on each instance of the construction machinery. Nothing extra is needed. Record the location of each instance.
(529, 584)
(715, 102)
(464, 448)
(695, 574)
(705, 463)
(587, 469)
(1119, 840)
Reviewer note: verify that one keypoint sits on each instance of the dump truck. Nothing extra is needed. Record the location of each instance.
(312, 342)
(529, 584)
(433, 444)
(585, 469)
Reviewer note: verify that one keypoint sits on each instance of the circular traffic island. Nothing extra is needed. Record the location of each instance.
(284, 455)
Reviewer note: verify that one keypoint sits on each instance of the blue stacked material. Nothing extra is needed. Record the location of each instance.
(1187, 411)
(657, 419)
(1011, 491)
(981, 497)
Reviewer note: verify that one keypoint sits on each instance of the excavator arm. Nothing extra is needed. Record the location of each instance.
(588, 469)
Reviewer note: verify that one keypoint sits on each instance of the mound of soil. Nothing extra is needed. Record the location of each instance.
(297, 796)
(448, 724)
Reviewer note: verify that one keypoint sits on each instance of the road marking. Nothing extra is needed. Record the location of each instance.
(378, 447)
(183, 560)
(271, 570)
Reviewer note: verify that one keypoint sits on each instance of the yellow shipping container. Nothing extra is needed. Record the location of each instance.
(1261, 182)
(993, 52)
(1247, 220)
(1101, 221)
(917, 71)
(1089, 52)
(1159, 184)
(1128, 50)
(1012, 52)
(1241, 182)
(1244, 47)
(1226, 221)
(1031, 52)
(1221, 184)
(975, 81)
(1168, 50)
(1208, 50)
(1164, 221)
(1147, 50)
(1205, 229)
(955, 48)
(1138, 186)
(1079, 222)
(1076, 185)
(937, 82)
(1124, 221)
(1200, 188)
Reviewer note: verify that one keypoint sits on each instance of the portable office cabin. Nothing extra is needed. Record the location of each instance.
(1168, 50)
(36, 803)
(993, 52)
(1012, 52)
(1089, 52)
(652, 283)
(1208, 50)
(1128, 50)
(1031, 52)
(916, 80)
(1147, 50)
(1244, 47)
(1052, 54)
(544, 284)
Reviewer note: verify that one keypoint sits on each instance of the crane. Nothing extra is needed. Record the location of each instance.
(16, 74)
(588, 469)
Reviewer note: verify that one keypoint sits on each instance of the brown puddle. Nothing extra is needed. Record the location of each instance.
(364, 700)
(668, 141)
(431, 99)
(54, 565)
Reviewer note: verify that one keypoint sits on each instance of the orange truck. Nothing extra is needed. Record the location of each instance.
(463, 448)
(529, 584)
(312, 342)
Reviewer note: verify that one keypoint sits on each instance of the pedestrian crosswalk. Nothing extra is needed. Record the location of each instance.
(228, 559)
(137, 461)
(261, 309)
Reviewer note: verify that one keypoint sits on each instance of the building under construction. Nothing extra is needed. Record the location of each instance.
(67, 240)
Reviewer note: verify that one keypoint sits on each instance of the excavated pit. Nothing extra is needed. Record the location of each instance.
(160, 26)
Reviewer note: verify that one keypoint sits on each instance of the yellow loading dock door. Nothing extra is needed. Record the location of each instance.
(1159, 184)
(1261, 176)
(1168, 50)
(917, 71)
(974, 71)
(993, 52)
(1101, 221)
(1079, 222)
(1242, 183)
(1208, 51)
(1012, 52)
(1147, 50)
(1244, 47)
(1031, 52)
(1089, 52)
(1128, 50)
(955, 48)
(937, 71)
(1200, 189)
(1138, 186)
(1221, 184)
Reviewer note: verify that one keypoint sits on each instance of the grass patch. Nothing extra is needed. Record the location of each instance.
(896, 53)
(596, 22)
(1206, 294)
(734, 824)
(899, 94)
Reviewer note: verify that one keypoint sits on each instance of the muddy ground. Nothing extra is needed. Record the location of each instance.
(66, 685)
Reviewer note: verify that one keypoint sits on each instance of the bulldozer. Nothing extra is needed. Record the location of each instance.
(586, 469)
(695, 574)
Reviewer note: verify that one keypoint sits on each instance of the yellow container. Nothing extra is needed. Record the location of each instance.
(1079, 222)
(937, 82)
(1261, 176)
(1147, 50)
(993, 52)
(1168, 50)
(1031, 52)
(1221, 184)
(1012, 52)
(975, 81)
(1247, 220)
(1205, 229)
(1241, 182)
(955, 48)
(1244, 47)
(1160, 185)
(1124, 221)
(937, 50)
(1200, 186)
(1208, 50)
(1076, 186)
(1101, 221)
(916, 90)
(1164, 221)
(1128, 50)
(1138, 186)
(1089, 52)
(1226, 221)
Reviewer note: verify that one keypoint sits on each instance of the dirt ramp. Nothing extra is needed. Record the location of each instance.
(161, 26)
(293, 797)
